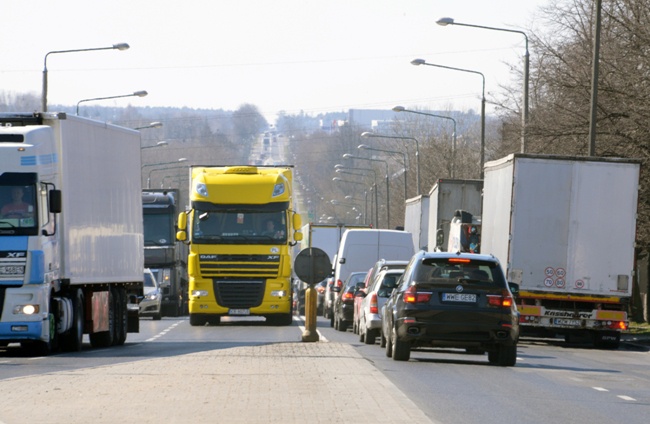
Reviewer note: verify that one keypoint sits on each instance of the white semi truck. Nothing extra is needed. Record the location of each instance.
(71, 257)
(564, 228)
(445, 198)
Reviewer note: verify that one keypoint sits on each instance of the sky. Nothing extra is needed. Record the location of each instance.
(312, 56)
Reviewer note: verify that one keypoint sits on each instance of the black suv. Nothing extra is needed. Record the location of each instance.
(457, 300)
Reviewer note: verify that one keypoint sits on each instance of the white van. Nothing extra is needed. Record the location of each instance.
(360, 249)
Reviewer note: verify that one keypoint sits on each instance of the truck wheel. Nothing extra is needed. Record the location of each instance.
(198, 320)
(121, 316)
(401, 350)
(72, 340)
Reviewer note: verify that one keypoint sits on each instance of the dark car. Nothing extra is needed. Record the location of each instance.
(343, 308)
(299, 296)
(453, 300)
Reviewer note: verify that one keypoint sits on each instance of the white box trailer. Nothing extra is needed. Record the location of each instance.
(67, 266)
(445, 198)
(564, 228)
(416, 221)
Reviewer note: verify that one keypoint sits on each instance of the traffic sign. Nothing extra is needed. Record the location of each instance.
(312, 265)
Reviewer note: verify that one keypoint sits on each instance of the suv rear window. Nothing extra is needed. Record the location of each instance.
(449, 270)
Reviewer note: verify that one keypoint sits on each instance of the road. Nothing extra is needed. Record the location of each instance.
(552, 382)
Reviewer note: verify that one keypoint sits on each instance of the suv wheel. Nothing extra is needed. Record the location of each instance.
(504, 356)
(401, 350)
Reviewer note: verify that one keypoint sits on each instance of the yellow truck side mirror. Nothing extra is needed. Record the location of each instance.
(297, 236)
(296, 221)
(181, 234)
(182, 221)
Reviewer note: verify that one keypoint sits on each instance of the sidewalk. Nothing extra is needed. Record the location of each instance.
(285, 383)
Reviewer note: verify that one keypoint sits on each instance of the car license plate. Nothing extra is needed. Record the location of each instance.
(239, 312)
(571, 322)
(459, 297)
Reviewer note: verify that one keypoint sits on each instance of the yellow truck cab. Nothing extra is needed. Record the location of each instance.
(240, 228)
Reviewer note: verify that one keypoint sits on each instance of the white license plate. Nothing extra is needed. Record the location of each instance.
(571, 322)
(239, 312)
(458, 297)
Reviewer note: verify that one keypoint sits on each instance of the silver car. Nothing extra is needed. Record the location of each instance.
(378, 292)
(150, 304)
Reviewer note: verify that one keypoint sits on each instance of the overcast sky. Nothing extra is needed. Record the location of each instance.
(291, 55)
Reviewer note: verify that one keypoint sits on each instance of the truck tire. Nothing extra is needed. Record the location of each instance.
(197, 320)
(121, 316)
(72, 340)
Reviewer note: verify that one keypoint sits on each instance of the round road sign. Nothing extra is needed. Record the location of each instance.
(312, 265)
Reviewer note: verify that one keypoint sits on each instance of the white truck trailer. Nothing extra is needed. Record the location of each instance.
(445, 198)
(564, 228)
(70, 260)
(325, 237)
(416, 221)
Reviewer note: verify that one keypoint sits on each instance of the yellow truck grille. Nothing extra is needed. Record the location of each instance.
(239, 266)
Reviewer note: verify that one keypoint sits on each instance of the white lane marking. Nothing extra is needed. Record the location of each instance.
(600, 389)
(163, 332)
(626, 398)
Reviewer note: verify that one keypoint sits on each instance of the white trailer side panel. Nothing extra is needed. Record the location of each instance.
(101, 222)
(571, 222)
(416, 221)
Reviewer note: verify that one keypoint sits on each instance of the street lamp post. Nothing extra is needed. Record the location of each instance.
(155, 124)
(351, 156)
(141, 93)
(119, 46)
(524, 112)
(158, 164)
(341, 169)
(365, 147)
(453, 144)
(418, 62)
(162, 169)
(365, 210)
(160, 143)
(417, 151)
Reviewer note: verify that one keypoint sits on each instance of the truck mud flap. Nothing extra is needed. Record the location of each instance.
(133, 322)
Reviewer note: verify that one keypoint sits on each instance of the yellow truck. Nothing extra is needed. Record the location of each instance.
(240, 228)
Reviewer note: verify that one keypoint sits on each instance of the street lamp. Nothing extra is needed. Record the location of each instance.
(418, 62)
(160, 143)
(158, 164)
(341, 180)
(524, 112)
(151, 125)
(417, 151)
(341, 169)
(119, 46)
(453, 144)
(141, 93)
(351, 156)
(162, 169)
(366, 147)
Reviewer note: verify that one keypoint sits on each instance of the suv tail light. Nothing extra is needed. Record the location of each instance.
(500, 301)
(411, 295)
(373, 304)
